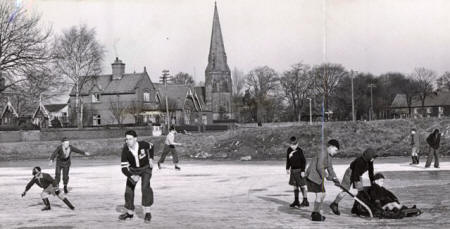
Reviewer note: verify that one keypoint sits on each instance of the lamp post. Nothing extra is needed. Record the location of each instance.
(310, 111)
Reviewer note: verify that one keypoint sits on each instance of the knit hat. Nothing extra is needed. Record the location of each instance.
(293, 140)
(334, 142)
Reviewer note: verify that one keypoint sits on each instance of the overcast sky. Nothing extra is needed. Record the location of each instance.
(374, 36)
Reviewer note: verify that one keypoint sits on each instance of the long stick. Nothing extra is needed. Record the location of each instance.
(357, 199)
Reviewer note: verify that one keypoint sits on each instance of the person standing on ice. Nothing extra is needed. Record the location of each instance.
(63, 154)
(137, 162)
(295, 166)
(433, 140)
(415, 144)
(169, 147)
(316, 175)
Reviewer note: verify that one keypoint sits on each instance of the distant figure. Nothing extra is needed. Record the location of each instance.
(295, 166)
(415, 144)
(62, 154)
(316, 175)
(137, 163)
(433, 140)
(45, 181)
(169, 147)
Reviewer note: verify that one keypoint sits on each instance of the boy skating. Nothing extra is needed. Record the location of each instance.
(45, 181)
(63, 154)
(353, 176)
(316, 175)
(415, 144)
(137, 162)
(295, 166)
(169, 147)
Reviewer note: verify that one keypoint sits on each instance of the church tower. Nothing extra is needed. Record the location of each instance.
(217, 75)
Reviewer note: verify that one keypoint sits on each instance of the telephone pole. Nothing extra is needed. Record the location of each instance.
(352, 75)
(164, 78)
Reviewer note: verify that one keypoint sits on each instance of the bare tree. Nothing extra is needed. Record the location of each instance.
(326, 78)
(297, 84)
(23, 45)
(261, 82)
(443, 82)
(183, 78)
(425, 79)
(78, 56)
(238, 79)
(118, 109)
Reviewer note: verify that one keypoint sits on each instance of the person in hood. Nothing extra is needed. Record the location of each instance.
(353, 175)
(415, 144)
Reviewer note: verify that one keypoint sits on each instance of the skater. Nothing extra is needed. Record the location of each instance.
(169, 147)
(295, 166)
(433, 140)
(415, 144)
(137, 162)
(353, 175)
(316, 175)
(45, 181)
(62, 154)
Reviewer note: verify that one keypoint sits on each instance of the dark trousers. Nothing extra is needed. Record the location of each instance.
(65, 168)
(167, 149)
(432, 152)
(147, 192)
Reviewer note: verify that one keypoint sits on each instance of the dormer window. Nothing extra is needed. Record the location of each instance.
(95, 97)
(146, 97)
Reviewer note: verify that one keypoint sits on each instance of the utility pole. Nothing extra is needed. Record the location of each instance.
(310, 111)
(164, 78)
(352, 75)
(371, 86)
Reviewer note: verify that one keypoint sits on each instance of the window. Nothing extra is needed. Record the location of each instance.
(95, 97)
(96, 120)
(146, 97)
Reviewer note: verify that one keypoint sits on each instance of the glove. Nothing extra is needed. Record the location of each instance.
(287, 171)
(359, 185)
(23, 194)
(336, 181)
(302, 174)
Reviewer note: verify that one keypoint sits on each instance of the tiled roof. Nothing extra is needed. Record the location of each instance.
(436, 99)
(176, 92)
(54, 107)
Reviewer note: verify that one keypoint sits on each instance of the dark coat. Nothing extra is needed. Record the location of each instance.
(43, 180)
(61, 158)
(434, 139)
(297, 160)
(362, 164)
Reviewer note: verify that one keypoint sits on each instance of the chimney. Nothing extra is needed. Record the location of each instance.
(118, 69)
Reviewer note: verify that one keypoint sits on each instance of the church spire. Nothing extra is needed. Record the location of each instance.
(217, 59)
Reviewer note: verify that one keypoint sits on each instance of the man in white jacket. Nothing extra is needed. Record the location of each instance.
(169, 147)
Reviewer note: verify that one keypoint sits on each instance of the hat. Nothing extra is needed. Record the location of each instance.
(293, 140)
(378, 176)
(36, 170)
(64, 139)
(334, 142)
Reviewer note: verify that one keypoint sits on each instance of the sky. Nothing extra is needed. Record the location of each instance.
(375, 36)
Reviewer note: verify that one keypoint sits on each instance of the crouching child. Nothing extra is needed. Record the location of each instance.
(45, 181)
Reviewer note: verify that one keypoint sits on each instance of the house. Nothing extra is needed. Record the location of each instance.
(436, 105)
(185, 105)
(9, 115)
(117, 98)
(50, 115)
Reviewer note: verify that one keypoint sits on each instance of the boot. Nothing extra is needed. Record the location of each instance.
(335, 208)
(67, 202)
(304, 203)
(177, 168)
(316, 216)
(413, 160)
(65, 189)
(125, 216)
(159, 165)
(294, 204)
(417, 159)
(47, 205)
(148, 217)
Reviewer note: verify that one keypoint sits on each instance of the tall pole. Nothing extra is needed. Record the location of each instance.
(310, 111)
(371, 85)
(353, 97)
(164, 78)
